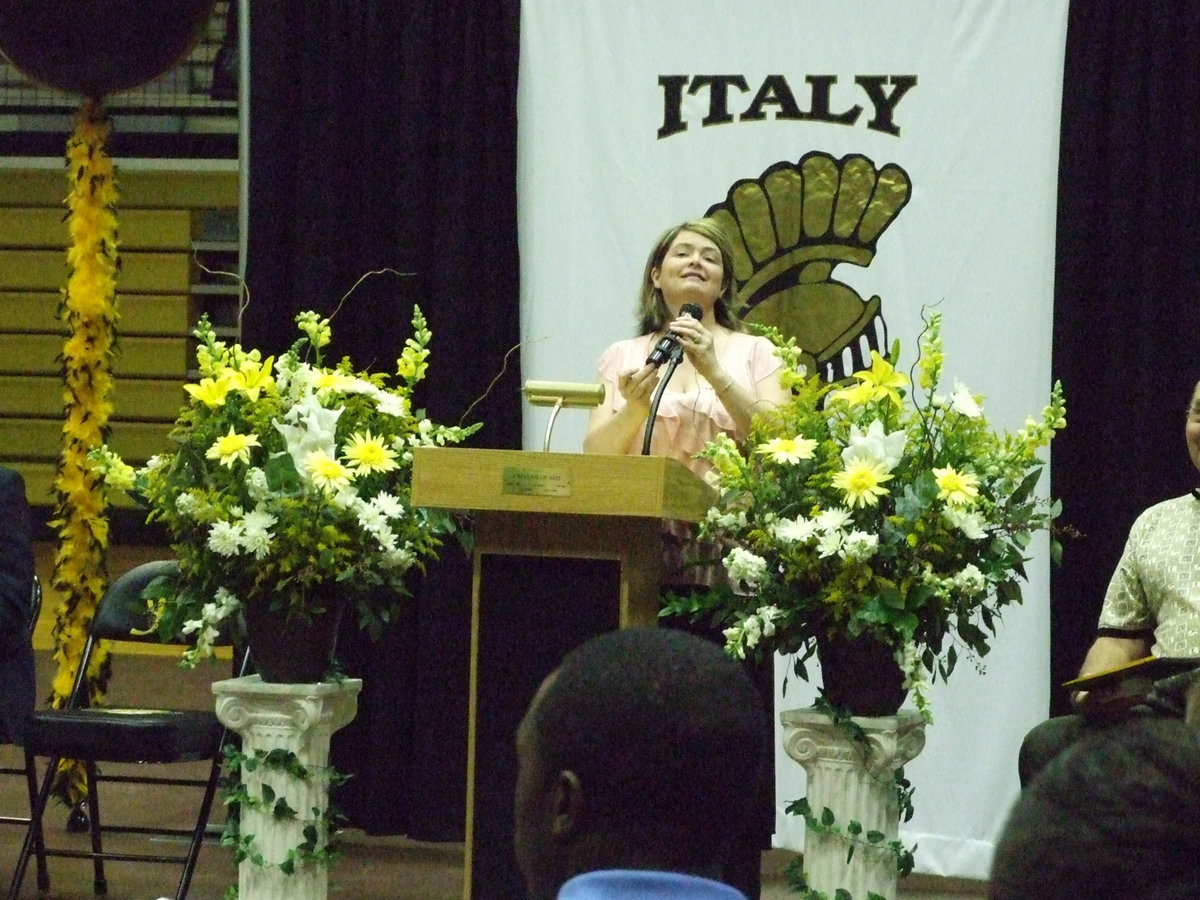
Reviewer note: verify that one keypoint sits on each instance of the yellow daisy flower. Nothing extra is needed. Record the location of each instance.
(956, 488)
(326, 472)
(364, 452)
(862, 481)
(788, 450)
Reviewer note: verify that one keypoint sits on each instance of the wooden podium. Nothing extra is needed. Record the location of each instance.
(567, 546)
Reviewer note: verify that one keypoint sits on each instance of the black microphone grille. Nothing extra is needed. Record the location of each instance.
(691, 309)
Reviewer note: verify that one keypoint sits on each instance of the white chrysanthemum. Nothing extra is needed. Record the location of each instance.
(370, 517)
(829, 544)
(392, 404)
(401, 558)
(833, 519)
(963, 403)
(256, 484)
(858, 546)
(188, 505)
(388, 504)
(257, 537)
(386, 538)
(798, 529)
(972, 524)
(745, 567)
(970, 580)
(225, 538)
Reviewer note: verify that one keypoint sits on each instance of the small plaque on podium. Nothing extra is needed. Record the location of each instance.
(536, 481)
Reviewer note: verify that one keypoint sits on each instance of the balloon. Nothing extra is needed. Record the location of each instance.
(98, 47)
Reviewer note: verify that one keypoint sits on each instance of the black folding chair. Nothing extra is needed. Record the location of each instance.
(118, 735)
(36, 604)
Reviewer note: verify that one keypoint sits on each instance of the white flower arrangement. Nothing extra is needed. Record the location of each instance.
(855, 510)
(287, 476)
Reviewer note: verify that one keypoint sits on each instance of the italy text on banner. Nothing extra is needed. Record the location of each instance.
(935, 125)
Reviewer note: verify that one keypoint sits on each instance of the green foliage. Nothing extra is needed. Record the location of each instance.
(286, 476)
(853, 833)
(875, 508)
(319, 846)
(855, 839)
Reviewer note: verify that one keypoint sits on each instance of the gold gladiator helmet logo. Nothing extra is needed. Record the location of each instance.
(790, 227)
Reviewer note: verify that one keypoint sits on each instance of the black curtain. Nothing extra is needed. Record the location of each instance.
(1127, 289)
(383, 136)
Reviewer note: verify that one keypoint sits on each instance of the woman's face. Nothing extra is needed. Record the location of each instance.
(1192, 430)
(691, 272)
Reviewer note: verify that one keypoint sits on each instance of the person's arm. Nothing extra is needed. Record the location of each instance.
(741, 402)
(1107, 652)
(16, 560)
(613, 431)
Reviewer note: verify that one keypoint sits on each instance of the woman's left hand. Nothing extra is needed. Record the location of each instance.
(697, 342)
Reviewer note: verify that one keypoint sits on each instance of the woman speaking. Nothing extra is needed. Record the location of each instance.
(719, 377)
(723, 377)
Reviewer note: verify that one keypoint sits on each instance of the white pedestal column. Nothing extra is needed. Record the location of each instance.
(299, 718)
(854, 780)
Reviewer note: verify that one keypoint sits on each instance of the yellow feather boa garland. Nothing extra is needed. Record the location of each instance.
(88, 310)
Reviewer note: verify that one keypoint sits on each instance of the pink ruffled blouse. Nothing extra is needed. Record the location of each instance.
(687, 421)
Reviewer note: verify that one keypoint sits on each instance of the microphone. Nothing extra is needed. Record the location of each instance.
(668, 344)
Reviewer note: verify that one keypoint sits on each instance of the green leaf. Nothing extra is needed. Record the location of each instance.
(827, 817)
(798, 808)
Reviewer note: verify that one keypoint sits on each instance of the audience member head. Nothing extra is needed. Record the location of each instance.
(653, 311)
(1191, 429)
(642, 750)
(1114, 816)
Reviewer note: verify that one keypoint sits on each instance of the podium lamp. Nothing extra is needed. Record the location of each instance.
(558, 394)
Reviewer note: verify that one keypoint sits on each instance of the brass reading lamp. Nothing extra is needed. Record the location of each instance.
(559, 394)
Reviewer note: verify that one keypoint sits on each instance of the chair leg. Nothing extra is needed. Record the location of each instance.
(34, 840)
(200, 830)
(99, 882)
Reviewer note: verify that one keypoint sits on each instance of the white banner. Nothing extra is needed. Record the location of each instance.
(937, 125)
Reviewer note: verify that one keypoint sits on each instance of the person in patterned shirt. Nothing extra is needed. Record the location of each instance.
(1151, 608)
